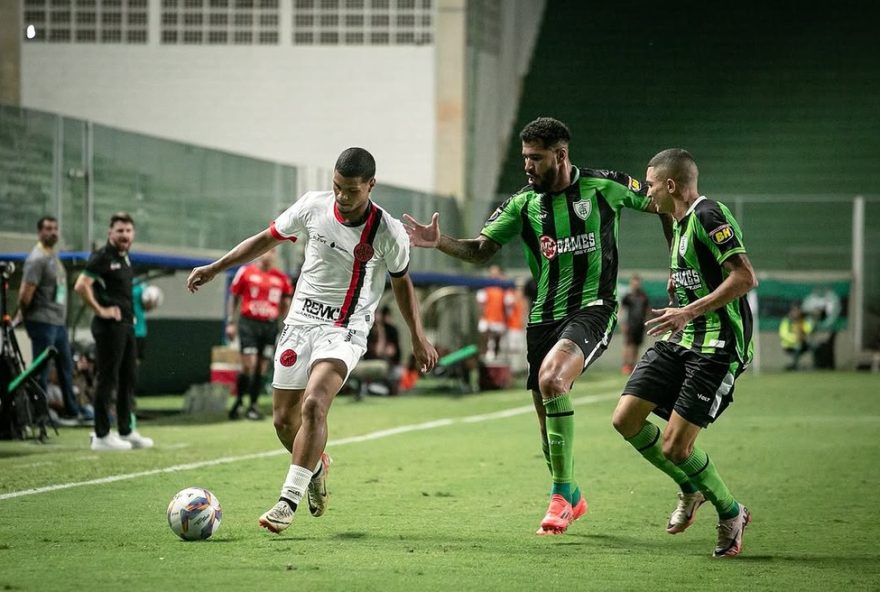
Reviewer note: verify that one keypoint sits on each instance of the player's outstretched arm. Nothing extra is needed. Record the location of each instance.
(247, 250)
(476, 250)
(405, 295)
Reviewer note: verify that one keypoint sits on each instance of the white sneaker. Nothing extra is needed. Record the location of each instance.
(278, 517)
(137, 441)
(109, 442)
(317, 492)
(685, 512)
(730, 533)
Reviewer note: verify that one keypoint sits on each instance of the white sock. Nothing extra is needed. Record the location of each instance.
(295, 485)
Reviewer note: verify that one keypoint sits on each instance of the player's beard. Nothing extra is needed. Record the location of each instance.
(543, 183)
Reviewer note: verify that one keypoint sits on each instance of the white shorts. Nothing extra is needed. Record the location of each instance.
(299, 347)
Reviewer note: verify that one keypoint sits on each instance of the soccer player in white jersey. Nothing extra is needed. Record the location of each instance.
(351, 244)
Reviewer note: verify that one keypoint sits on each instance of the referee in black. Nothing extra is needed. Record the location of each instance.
(105, 286)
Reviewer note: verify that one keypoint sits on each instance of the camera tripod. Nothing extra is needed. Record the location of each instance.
(24, 410)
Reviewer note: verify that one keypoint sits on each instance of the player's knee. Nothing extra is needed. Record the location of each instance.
(314, 410)
(676, 451)
(552, 384)
(624, 424)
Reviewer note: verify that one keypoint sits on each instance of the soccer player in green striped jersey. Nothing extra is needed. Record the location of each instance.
(568, 218)
(688, 376)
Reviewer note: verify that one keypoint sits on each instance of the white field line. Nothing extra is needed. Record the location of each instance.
(417, 427)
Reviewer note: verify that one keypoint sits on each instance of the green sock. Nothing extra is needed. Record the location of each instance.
(575, 488)
(701, 470)
(647, 443)
(560, 436)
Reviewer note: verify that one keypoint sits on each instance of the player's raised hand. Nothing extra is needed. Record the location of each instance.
(199, 277)
(421, 235)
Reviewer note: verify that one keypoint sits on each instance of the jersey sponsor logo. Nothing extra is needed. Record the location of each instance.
(582, 243)
(363, 252)
(320, 310)
(703, 397)
(688, 279)
(494, 216)
(722, 234)
(634, 185)
(548, 247)
(320, 238)
(583, 208)
(683, 245)
(287, 358)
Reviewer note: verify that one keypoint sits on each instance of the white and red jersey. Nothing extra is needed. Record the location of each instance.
(260, 291)
(343, 275)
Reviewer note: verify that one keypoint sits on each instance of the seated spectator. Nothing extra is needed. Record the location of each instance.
(794, 333)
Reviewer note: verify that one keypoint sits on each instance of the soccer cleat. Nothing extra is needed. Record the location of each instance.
(579, 509)
(278, 518)
(559, 515)
(685, 512)
(730, 533)
(109, 442)
(136, 440)
(317, 491)
(254, 414)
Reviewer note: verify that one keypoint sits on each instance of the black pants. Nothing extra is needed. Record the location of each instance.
(116, 362)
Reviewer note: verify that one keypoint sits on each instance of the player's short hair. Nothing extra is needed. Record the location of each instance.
(546, 130)
(123, 217)
(676, 163)
(356, 162)
(45, 219)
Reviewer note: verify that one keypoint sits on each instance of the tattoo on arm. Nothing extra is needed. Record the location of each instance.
(475, 250)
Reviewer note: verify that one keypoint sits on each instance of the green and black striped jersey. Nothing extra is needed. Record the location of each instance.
(702, 241)
(570, 239)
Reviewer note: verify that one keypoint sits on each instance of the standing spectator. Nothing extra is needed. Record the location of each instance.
(515, 337)
(493, 316)
(794, 334)
(636, 308)
(106, 287)
(262, 294)
(42, 302)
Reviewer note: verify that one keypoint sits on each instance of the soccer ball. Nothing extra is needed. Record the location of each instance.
(194, 514)
(152, 297)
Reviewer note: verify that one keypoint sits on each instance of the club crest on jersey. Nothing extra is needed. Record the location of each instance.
(548, 247)
(363, 252)
(287, 358)
(683, 245)
(583, 208)
(722, 234)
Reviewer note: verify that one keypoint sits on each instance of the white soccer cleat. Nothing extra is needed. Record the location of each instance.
(319, 499)
(278, 518)
(685, 512)
(137, 441)
(109, 442)
(730, 533)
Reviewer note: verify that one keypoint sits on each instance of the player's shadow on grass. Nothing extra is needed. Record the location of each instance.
(350, 536)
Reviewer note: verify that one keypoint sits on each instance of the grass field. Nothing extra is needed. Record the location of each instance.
(435, 492)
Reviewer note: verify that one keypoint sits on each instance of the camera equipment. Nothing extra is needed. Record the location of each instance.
(24, 410)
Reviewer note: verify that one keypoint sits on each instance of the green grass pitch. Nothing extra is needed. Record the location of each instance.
(435, 492)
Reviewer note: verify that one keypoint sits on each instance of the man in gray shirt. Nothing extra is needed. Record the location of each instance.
(42, 300)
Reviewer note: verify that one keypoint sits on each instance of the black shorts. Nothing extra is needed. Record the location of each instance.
(257, 337)
(699, 388)
(588, 327)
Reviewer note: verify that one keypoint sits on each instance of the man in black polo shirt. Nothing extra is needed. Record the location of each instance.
(105, 286)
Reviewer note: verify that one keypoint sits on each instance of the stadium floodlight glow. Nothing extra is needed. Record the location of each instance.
(31, 32)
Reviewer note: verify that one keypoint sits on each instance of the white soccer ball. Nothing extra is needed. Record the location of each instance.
(152, 297)
(194, 514)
